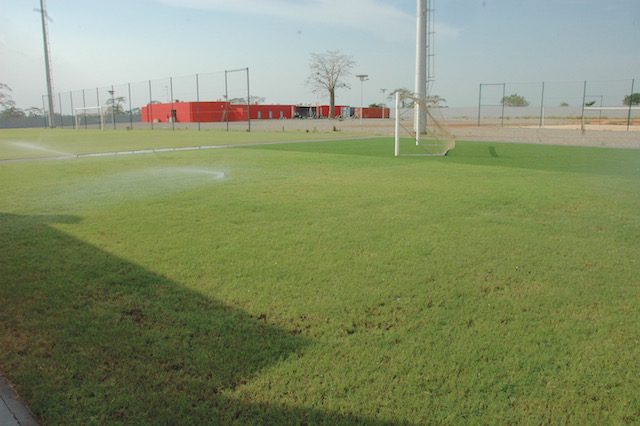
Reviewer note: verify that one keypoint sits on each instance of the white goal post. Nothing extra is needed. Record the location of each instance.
(436, 140)
(92, 111)
(624, 109)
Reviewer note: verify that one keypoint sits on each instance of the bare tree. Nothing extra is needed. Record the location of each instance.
(327, 73)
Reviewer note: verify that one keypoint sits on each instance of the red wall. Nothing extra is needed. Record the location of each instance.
(208, 112)
(324, 110)
(162, 112)
(212, 112)
(373, 112)
(263, 111)
(216, 112)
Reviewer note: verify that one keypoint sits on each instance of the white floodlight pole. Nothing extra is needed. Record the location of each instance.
(363, 78)
(47, 63)
(397, 130)
(421, 69)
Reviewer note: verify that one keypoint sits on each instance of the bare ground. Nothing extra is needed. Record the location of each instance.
(611, 136)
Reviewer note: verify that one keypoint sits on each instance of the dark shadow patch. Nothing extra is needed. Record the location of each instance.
(90, 337)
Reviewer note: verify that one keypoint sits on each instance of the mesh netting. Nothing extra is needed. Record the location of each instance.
(437, 140)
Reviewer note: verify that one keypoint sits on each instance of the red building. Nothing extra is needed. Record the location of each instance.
(217, 112)
(373, 112)
(212, 112)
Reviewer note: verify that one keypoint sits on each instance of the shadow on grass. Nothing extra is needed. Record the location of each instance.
(91, 338)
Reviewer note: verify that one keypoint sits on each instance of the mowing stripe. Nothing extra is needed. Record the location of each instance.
(177, 149)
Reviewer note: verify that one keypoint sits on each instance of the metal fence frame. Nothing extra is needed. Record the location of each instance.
(66, 111)
(543, 87)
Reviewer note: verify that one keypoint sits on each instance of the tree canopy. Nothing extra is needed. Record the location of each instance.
(5, 97)
(515, 100)
(633, 99)
(327, 73)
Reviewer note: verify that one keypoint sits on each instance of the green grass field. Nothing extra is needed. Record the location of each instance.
(17, 144)
(319, 283)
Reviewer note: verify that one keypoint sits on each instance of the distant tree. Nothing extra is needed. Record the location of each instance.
(34, 112)
(255, 100)
(375, 105)
(327, 73)
(117, 104)
(515, 100)
(590, 104)
(12, 112)
(564, 104)
(405, 97)
(633, 99)
(435, 101)
(5, 97)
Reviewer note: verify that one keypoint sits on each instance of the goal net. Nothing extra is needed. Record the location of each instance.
(437, 140)
(89, 115)
(610, 115)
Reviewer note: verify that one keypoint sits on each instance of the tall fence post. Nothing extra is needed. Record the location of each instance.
(112, 92)
(248, 100)
(226, 98)
(150, 109)
(504, 95)
(633, 84)
(198, 99)
(61, 112)
(44, 113)
(480, 104)
(542, 107)
(130, 107)
(84, 105)
(173, 117)
(73, 112)
(584, 100)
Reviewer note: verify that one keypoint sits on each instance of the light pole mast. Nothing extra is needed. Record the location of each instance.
(47, 62)
(363, 78)
(420, 124)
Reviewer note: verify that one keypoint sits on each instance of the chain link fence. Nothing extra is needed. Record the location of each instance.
(195, 102)
(605, 103)
(155, 104)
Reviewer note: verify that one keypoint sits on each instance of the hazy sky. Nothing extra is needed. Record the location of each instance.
(97, 43)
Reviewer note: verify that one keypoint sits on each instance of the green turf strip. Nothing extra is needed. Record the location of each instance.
(324, 283)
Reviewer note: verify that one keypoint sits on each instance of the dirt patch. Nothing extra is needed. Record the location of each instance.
(601, 135)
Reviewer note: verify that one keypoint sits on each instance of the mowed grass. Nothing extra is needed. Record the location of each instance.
(38, 143)
(324, 283)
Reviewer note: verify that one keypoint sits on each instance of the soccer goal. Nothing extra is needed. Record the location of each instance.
(437, 140)
(83, 114)
(621, 113)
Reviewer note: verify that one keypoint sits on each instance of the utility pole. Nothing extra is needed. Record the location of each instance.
(384, 92)
(363, 78)
(47, 62)
(112, 92)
